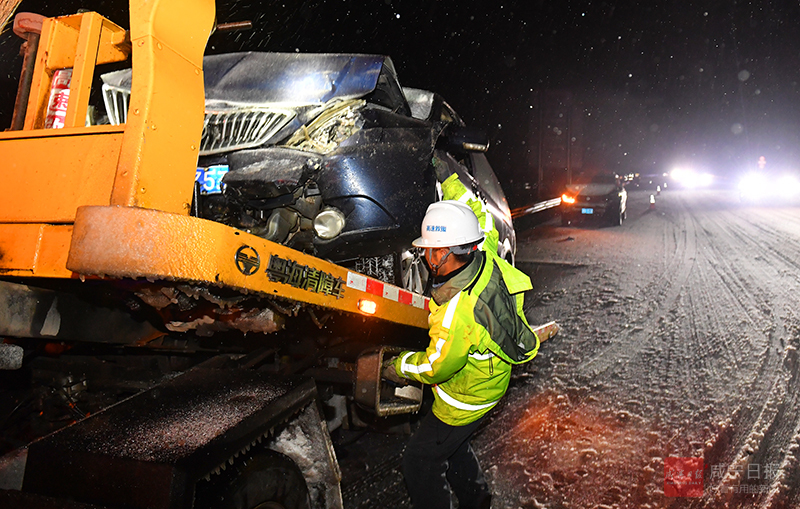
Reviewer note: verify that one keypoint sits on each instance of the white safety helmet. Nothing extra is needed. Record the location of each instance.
(449, 223)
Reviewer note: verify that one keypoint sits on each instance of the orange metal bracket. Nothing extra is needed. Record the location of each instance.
(149, 162)
(129, 242)
(78, 42)
(162, 137)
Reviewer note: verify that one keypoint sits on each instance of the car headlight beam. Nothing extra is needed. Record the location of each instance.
(755, 185)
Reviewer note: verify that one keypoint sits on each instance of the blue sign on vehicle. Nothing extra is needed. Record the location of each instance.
(211, 178)
(587, 211)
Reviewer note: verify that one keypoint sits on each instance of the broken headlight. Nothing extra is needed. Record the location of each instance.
(338, 121)
(329, 223)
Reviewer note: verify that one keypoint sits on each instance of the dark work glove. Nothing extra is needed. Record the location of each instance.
(390, 373)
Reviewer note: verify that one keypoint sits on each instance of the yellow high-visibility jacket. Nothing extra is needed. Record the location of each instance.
(477, 330)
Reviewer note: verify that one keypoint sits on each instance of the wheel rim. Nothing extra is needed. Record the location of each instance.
(413, 274)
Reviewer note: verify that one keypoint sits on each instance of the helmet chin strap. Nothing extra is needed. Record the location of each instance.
(434, 269)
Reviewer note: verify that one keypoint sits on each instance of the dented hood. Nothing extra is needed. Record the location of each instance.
(289, 78)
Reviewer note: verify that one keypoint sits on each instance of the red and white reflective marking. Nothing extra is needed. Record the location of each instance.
(59, 99)
(387, 291)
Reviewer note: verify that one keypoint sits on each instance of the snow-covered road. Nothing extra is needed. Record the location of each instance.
(679, 337)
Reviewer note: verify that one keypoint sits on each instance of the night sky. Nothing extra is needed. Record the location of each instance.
(712, 84)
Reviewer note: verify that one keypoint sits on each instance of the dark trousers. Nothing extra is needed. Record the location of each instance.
(439, 455)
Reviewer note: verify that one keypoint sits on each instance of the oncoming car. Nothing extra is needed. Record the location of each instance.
(328, 154)
(597, 196)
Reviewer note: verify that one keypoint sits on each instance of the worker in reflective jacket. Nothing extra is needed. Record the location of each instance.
(477, 332)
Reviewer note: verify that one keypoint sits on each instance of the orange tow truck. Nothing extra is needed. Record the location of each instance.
(98, 247)
(109, 402)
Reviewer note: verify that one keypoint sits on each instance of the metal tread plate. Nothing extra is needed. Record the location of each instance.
(149, 450)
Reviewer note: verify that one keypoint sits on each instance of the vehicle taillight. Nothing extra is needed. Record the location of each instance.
(565, 198)
(59, 99)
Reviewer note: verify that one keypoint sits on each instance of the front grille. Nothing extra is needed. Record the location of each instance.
(116, 101)
(223, 131)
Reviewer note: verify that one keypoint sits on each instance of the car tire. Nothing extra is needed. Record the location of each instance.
(613, 217)
(267, 480)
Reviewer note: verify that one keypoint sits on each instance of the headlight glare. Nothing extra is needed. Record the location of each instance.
(788, 186)
(755, 185)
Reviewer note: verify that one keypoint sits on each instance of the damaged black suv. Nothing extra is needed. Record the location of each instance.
(327, 154)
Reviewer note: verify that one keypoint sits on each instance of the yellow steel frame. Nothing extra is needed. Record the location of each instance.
(149, 162)
(135, 242)
(114, 200)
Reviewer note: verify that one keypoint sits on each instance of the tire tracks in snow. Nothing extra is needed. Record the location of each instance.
(703, 354)
(769, 430)
(666, 288)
